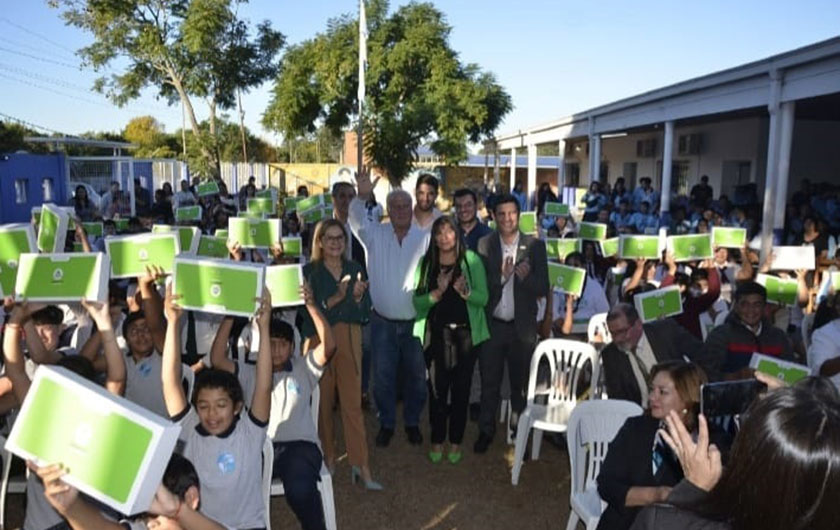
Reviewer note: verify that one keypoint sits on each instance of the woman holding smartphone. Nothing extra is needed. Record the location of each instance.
(450, 295)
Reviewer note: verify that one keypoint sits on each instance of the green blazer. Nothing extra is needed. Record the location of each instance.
(477, 279)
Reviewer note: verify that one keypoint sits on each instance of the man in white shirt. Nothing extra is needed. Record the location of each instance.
(517, 275)
(425, 194)
(185, 197)
(824, 352)
(393, 251)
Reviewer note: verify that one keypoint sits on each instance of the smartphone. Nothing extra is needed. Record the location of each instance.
(729, 398)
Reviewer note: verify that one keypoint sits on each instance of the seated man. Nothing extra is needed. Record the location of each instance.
(297, 453)
(730, 346)
(637, 347)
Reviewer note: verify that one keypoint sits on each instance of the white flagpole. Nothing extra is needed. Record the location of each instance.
(363, 34)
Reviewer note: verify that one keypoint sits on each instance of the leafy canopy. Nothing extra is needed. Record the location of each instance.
(418, 91)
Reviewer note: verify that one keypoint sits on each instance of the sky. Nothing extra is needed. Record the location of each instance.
(554, 57)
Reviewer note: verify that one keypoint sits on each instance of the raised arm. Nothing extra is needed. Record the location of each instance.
(15, 368)
(745, 273)
(636, 278)
(326, 347)
(37, 351)
(261, 400)
(152, 304)
(81, 235)
(173, 392)
(219, 350)
(115, 363)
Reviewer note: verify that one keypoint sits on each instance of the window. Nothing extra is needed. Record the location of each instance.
(47, 188)
(573, 175)
(20, 191)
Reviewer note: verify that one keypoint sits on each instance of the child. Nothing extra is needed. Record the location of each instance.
(39, 514)
(225, 448)
(297, 454)
(174, 505)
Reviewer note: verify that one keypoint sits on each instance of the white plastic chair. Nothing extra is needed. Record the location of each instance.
(8, 485)
(566, 359)
(598, 326)
(273, 488)
(592, 426)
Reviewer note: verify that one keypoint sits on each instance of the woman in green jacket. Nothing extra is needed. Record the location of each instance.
(450, 292)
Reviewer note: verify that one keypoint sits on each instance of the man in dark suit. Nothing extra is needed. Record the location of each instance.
(517, 275)
(637, 347)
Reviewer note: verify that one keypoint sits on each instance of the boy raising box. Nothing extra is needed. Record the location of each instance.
(224, 445)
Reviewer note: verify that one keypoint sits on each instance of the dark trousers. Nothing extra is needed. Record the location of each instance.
(298, 465)
(503, 346)
(451, 359)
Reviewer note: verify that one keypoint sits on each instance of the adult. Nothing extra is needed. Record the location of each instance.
(450, 295)
(544, 194)
(645, 193)
(393, 251)
(729, 347)
(85, 209)
(637, 347)
(619, 192)
(792, 433)
(114, 203)
(520, 194)
(185, 197)
(640, 469)
(425, 195)
(593, 201)
(824, 352)
(517, 275)
(342, 193)
(340, 288)
(702, 193)
(469, 226)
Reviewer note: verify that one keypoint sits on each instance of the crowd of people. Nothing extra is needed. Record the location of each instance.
(427, 307)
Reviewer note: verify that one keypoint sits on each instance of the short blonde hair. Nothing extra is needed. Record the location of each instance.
(321, 229)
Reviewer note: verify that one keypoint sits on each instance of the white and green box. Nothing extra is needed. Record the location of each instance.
(528, 222)
(52, 228)
(263, 205)
(213, 247)
(65, 277)
(608, 247)
(130, 255)
(290, 204)
(785, 370)
(592, 231)
(292, 247)
(793, 258)
(254, 233)
(221, 232)
(188, 236)
(783, 291)
(316, 214)
(188, 214)
(661, 303)
(121, 225)
(559, 248)
(15, 239)
(729, 237)
(284, 283)
(71, 213)
(565, 279)
(834, 279)
(691, 247)
(114, 450)
(268, 193)
(208, 187)
(251, 215)
(639, 247)
(218, 286)
(557, 209)
(315, 201)
(94, 229)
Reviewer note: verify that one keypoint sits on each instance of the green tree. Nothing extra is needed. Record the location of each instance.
(184, 49)
(230, 147)
(151, 140)
(418, 91)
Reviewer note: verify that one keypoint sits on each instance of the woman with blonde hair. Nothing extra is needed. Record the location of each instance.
(340, 288)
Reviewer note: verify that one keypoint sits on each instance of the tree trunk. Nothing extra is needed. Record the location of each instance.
(217, 155)
(185, 99)
(242, 127)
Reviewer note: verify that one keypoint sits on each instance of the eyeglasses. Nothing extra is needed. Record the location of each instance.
(332, 239)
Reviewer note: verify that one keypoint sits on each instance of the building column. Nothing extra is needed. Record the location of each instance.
(667, 163)
(561, 168)
(594, 158)
(512, 169)
(770, 180)
(496, 169)
(532, 176)
(786, 121)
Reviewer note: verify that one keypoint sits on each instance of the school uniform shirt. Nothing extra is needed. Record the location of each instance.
(206, 325)
(291, 412)
(593, 300)
(825, 346)
(229, 468)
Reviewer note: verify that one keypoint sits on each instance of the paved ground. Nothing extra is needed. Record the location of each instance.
(475, 494)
